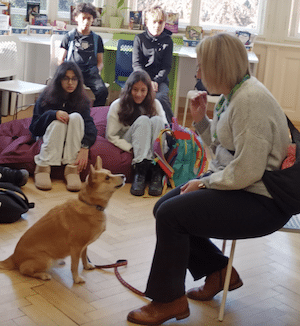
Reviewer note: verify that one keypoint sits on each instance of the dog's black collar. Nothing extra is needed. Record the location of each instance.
(98, 207)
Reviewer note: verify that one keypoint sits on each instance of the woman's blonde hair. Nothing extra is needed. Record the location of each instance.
(224, 61)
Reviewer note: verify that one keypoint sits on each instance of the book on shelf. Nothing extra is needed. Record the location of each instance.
(172, 22)
(59, 31)
(135, 19)
(4, 8)
(32, 8)
(38, 19)
(4, 31)
(40, 30)
(19, 30)
(193, 33)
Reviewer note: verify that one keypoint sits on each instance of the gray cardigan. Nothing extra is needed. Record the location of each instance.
(252, 136)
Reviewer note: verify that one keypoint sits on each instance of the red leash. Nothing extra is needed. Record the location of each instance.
(119, 263)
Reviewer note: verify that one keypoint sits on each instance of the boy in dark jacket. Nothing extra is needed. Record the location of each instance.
(152, 52)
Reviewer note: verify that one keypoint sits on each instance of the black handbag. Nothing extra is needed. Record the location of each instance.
(13, 203)
(284, 185)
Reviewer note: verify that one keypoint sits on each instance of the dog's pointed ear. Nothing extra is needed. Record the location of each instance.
(98, 165)
(91, 174)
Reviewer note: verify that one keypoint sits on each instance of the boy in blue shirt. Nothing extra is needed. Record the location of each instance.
(85, 48)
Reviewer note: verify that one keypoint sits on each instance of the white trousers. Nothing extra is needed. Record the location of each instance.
(142, 134)
(61, 142)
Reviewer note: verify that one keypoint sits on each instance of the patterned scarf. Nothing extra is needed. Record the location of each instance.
(221, 106)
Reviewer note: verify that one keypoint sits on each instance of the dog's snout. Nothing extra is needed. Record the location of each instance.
(123, 181)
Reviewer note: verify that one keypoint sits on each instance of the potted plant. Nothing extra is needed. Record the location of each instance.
(116, 15)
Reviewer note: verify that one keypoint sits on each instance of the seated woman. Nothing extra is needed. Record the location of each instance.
(133, 123)
(62, 117)
(248, 135)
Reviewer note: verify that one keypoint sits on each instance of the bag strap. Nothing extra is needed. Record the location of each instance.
(11, 189)
(95, 37)
(159, 152)
(71, 45)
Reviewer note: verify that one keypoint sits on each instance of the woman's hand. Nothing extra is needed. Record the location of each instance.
(198, 106)
(191, 185)
(82, 159)
(62, 116)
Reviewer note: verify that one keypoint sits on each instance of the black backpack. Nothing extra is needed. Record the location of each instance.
(13, 203)
(284, 185)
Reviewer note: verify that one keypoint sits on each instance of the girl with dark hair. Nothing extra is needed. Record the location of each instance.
(61, 116)
(133, 123)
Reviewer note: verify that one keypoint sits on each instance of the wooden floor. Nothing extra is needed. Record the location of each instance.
(269, 267)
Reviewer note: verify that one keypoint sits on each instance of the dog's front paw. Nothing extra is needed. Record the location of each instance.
(43, 276)
(89, 266)
(78, 279)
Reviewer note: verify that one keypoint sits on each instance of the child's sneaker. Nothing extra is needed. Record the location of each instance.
(17, 177)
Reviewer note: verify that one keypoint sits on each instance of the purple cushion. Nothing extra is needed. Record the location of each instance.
(17, 149)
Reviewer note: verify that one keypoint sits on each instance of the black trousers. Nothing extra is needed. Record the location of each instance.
(93, 80)
(184, 224)
(163, 96)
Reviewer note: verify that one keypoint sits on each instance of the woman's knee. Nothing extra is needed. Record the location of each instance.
(160, 203)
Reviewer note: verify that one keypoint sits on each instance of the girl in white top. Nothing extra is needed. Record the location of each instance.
(133, 123)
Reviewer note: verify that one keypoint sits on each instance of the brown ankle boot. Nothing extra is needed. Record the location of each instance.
(156, 313)
(214, 283)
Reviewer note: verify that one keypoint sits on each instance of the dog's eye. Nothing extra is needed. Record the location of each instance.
(107, 177)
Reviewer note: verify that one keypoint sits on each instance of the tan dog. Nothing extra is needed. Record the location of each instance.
(67, 229)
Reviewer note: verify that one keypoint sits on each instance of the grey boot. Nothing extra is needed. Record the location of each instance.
(139, 180)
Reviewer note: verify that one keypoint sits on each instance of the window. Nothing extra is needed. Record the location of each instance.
(294, 26)
(22, 4)
(242, 14)
(212, 14)
(183, 7)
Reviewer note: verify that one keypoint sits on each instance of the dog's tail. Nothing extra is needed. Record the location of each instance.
(7, 263)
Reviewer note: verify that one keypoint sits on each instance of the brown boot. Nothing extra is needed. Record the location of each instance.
(156, 313)
(72, 177)
(214, 283)
(42, 177)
